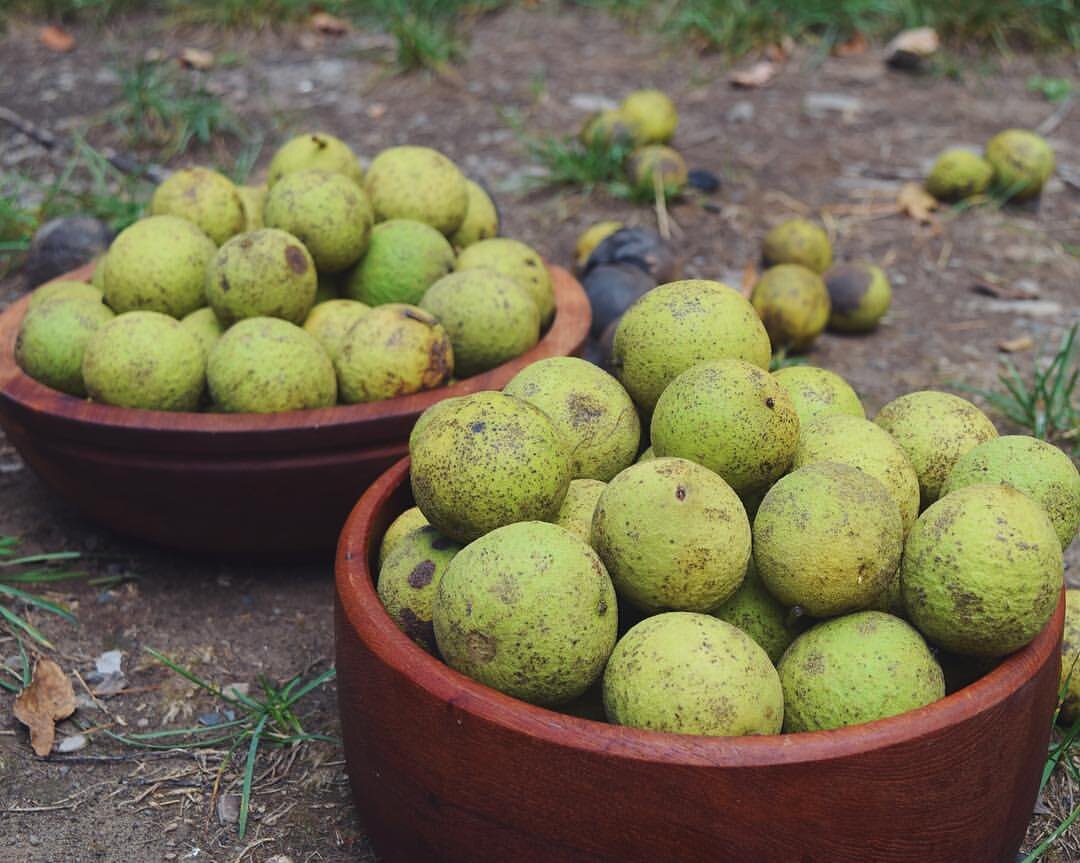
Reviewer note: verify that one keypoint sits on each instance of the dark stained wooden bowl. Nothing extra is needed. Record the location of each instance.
(232, 483)
(445, 769)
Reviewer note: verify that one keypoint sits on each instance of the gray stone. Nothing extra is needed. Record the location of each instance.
(63, 244)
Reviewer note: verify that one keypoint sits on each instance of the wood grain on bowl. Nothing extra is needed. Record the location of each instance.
(231, 483)
(445, 769)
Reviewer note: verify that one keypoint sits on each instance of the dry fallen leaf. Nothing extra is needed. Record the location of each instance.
(853, 47)
(758, 75)
(48, 699)
(1004, 292)
(911, 47)
(1020, 343)
(329, 24)
(196, 58)
(749, 279)
(376, 110)
(916, 202)
(56, 39)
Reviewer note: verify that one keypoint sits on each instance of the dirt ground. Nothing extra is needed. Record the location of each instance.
(835, 138)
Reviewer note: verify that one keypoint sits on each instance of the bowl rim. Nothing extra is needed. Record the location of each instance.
(363, 613)
(565, 335)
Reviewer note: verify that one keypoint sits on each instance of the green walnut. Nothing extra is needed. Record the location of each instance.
(481, 218)
(520, 262)
(145, 360)
(327, 212)
(52, 340)
(316, 151)
(261, 274)
(798, 241)
(859, 297)
(417, 183)
(489, 317)
(63, 289)
(202, 196)
(264, 365)
(958, 174)
(793, 303)
(818, 392)
(206, 326)
(404, 259)
(1022, 162)
(393, 350)
(158, 264)
(651, 115)
(331, 321)
(654, 161)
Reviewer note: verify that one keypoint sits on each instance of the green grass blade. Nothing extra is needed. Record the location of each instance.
(191, 676)
(1044, 846)
(37, 602)
(14, 620)
(312, 684)
(249, 775)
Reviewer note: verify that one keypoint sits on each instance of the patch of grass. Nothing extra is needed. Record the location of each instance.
(249, 13)
(782, 360)
(19, 571)
(570, 162)
(1051, 89)
(1047, 406)
(268, 719)
(167, 110)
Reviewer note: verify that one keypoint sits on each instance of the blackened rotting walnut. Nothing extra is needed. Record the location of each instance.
(612, 289)
(61, 245)
(704, 180)
(598, 350)
(641, 247)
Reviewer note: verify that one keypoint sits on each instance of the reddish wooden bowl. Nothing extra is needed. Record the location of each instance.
(232, 483)
(445, 769)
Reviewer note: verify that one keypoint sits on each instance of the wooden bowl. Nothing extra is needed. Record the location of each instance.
(445, 769)
(232, 483)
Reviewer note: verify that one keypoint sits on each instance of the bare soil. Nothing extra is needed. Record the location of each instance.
(780, 151)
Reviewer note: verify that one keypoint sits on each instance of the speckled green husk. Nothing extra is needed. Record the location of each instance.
(400, 527)
(207, 328)
(934, 429)
(489, 317)
(576, 512)
(263, 365)
(1022, 162)
(868, 447)
(328, 213)
(982, 570)
(689, 673)
(593, 414)
(408, 578)
(145, 360)
(673, 535)
(393, 350)
(98, 279)
(520, 262)
(798, 241)
(404, 258)
(646, 162)
(648, 454)
(486, 460)
(481, 218)
(1070, 659)
(856, 669)
(958, 173)
(529, 610)
(262, 274)
(314, 151)
(678, 325)
(818, 392)
(331, 321)
(417, 183)
(253, 199)
(53, 337)
(827, 538)
(731, 417)
(202, 196)
(651, 115)
(793, 304)
(758, 613)
(860, 295)
(64, 290)
(158, 265)
(1033, 466)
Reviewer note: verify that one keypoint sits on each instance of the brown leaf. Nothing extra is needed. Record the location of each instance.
(749, 279)
(758, 75)
(47, 699)
(916, 202)
(331, 25)
(853, 47)
(376, 110)
(56, 39)
(1004, 292)
(196, 58)
(1020, 343)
